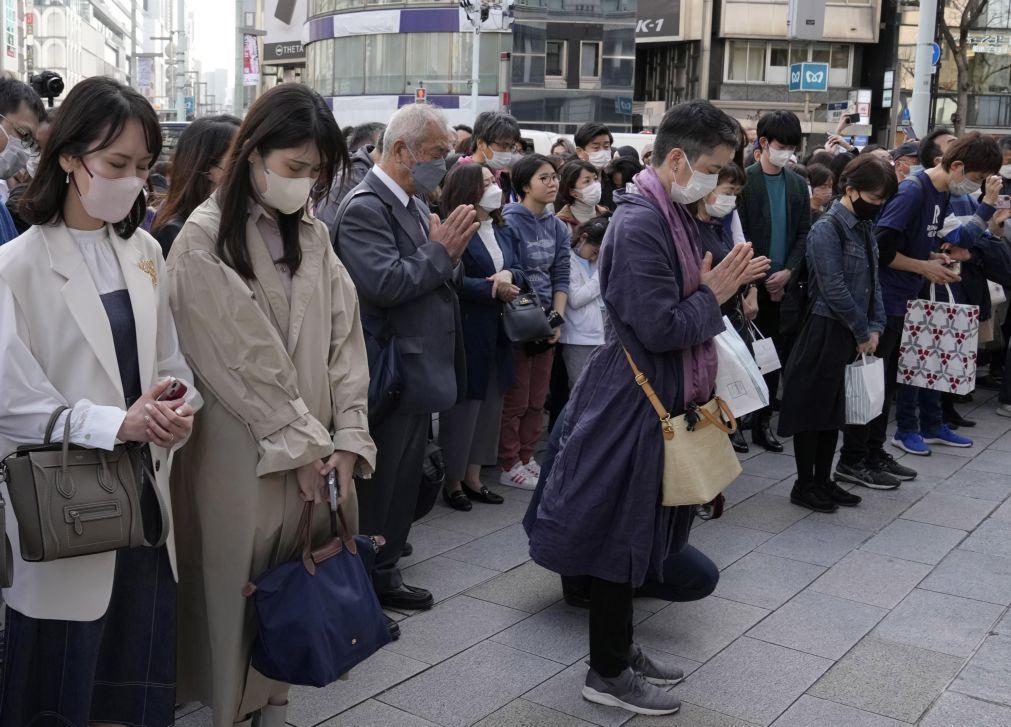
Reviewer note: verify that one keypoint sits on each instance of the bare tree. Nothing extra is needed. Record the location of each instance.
(957, 19)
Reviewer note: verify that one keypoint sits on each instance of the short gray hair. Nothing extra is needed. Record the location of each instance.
(411, 123)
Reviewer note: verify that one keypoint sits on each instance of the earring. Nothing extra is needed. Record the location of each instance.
(67, 181)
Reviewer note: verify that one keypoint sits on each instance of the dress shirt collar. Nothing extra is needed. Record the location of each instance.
(397, 190)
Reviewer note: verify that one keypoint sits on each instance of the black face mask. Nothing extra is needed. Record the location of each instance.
(864, 210)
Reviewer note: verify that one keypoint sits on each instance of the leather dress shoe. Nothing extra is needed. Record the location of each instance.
(407, 598)
(456, 499)
(407, 551)
(762, 436)
(393, 627)
(575, 595)
(955, 420)
(483, 495)
(738, 441)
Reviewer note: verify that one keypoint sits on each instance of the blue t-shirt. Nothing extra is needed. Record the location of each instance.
(775, 185)
(917, 212)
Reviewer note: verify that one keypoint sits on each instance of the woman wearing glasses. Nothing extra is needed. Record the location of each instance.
(544, 248)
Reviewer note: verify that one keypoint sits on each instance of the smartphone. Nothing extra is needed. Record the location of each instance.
(954, 266)
(852, 118)
(1004, 201)
(176, 390)
(331, 483)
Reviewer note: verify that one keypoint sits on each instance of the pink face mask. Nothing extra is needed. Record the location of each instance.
(109, 200)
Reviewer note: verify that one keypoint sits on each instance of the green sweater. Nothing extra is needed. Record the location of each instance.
(756, 218)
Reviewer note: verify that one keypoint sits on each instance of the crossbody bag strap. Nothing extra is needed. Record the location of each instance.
(647, 389)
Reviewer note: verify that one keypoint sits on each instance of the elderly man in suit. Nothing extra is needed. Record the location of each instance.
(405, 264)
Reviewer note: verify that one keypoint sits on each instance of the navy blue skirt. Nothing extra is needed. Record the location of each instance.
(120, 668)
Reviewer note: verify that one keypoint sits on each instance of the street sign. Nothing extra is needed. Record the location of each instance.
(623, 105)
(935, 54)
(191, 106)
(809, 77)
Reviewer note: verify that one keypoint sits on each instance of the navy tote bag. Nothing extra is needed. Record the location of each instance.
(318, 615)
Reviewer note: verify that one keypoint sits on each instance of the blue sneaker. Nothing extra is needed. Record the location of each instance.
(944, 435)
(911, 442)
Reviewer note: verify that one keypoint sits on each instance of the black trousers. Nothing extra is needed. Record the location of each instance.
(610, 627)
(386, 503)
(814, 452)
(864, 440)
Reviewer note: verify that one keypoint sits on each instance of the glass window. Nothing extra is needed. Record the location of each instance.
(737, 65)
(820, 55)
(798, 53)
(619, 42)
(618, 73)
(384, 63)
(324, 66)
(528, 38)
(840, 56)
(528, 70)
(589, 60)
(348, 66)
(554, 64)
(756, 62)
(779, 55)
(491, 49)
(430, 59)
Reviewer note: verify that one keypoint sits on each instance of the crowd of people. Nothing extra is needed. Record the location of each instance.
(334, 303)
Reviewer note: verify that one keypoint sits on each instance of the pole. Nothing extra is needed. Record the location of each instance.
(133, 44)
(475, 64)
(180, 30)
(707, 52)
(920, 103)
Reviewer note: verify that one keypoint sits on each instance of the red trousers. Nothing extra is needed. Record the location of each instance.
(523, 408)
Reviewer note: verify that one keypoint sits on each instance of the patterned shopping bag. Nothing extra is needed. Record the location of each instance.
(939, 342)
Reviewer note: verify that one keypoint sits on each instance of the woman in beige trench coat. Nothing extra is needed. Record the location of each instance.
(268, 320)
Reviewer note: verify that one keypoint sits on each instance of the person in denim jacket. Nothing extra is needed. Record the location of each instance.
(845, 317)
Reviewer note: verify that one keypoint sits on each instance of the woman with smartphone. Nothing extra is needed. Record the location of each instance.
(268, 318)
(85, 323)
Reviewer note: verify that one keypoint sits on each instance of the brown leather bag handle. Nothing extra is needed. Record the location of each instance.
(310, 557)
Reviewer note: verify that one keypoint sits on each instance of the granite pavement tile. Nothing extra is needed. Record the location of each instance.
(200, 718)
(969, 574)
(1003, 513)
(724, 543)
(502, 550)
(559, 633)
(452, 626)
(445, 578)
(992, 537)
(468, 687)
(690, 715)
(745, 486)
(991, 460)
(970, 482)
(878, 580)
(939, 622)
(527, 588)
(753, 681)
(770, 513)
(522, 713)
(914, 541)
(950, 511)
(987, 676)
(958, 710)
(894, 680)
(814, 542)
(429, 542)
(810, 711)
(376, 714)
(765, 580)
(872, 514)
(483, 520)
(938, 464)
(771, 465)
(698, 630)
(819, 624)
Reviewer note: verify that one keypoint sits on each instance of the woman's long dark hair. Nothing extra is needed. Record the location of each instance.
(91, 118)
(465, 185)
(285, 117)
(202, 145)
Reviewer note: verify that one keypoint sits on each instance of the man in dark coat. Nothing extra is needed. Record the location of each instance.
(600, 513)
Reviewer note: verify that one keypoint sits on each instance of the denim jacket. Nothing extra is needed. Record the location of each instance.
(842, 277)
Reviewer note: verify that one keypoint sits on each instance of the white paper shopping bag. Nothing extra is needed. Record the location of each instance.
(766, 355)
(738, 380)
(865, 389)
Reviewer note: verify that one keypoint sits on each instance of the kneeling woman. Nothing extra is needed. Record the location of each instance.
(268, 318)
(846, 316)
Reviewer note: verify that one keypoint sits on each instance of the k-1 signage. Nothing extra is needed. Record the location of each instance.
(657, 20)
(809, 77)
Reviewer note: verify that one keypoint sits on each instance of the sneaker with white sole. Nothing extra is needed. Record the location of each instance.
(534, 469)
(519, 476)
(1004, 410)
(629, 690)
(655, 670)
(944, 435)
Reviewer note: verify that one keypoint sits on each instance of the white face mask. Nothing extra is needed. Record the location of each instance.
(501, 160)
(915, 168)
(1005, 171)
(699, 186)
(600, 159)
(491, 200)
(14, 156)
(590, 194)
(964, 186)
(284, 194)
(778, 157)
(723, 206)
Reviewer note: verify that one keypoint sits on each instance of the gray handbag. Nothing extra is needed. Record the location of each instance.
(71, 501)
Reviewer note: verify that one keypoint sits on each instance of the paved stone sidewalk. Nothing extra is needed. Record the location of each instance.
(894, 613)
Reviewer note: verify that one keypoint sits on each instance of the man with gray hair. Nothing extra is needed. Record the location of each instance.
(405, 264)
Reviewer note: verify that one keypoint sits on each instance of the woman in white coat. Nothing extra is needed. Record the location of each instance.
(583, 331)
(85, 323)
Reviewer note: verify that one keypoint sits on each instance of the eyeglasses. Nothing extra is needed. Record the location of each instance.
(548, 179)
(24, 134)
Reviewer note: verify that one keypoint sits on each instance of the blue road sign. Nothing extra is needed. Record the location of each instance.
(191, 105)
(809, 77)
(623, 105)
(935, 54)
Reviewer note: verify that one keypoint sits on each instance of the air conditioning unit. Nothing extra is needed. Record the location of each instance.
(805, 19)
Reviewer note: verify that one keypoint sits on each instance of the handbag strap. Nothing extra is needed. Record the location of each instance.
(310, 557)
(640, 378)
(52, 424)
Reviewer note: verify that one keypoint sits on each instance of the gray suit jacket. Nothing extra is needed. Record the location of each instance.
(407, 288)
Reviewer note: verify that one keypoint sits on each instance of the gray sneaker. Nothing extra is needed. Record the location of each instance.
(629, 690)
(656, 672)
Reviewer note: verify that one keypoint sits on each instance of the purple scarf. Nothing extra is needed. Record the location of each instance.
(699, 361)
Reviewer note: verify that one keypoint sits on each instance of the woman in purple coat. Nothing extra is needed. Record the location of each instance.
(600, 515)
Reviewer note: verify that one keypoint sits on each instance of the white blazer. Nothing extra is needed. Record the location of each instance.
(61, 351)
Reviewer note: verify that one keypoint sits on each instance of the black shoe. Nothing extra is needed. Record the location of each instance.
(740, 445)
(866, 476)
(456, 500)
(884, 462)
(408, 551)
(840, 496)
(812, 497)
(393, 627)
(577, 597)
(483, 495)
(989, 382)
(762, 436)
(954, 420)
(407, 598)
